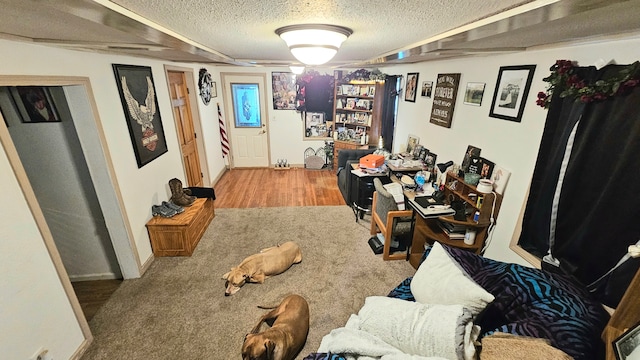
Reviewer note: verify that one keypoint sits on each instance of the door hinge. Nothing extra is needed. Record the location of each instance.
(188, 91)
(201, 175)
(195, 136)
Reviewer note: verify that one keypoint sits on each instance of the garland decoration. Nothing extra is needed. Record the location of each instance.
(365, 75)
(563, 77)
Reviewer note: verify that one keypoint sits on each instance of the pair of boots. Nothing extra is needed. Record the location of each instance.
(178, 196)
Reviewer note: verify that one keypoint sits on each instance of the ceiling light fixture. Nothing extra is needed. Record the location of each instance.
(296, 69)
(314, 44)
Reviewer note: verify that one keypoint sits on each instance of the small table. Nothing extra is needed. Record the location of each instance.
(364, 189)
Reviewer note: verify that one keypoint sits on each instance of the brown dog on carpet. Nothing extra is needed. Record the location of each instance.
(257, 267)
(286, 336)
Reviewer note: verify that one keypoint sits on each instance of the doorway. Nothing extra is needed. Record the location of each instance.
(74, 98)
(182, 91)
(245, 99)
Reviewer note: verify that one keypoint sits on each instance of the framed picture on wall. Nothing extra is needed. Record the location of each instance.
(473, 94)
(512, 88)
(138, 97)
(411, 88)
(283, 85)
(427, 86)
(35, 104)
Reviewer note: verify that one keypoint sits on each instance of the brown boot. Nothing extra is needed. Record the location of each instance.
(178, 196)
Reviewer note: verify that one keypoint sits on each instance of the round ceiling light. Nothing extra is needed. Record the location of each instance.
(314, 44)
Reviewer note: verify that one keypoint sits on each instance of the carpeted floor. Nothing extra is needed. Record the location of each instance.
(178, 310)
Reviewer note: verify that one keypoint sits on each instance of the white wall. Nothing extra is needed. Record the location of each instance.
(511, 145)
(33, 307)
(286, 128)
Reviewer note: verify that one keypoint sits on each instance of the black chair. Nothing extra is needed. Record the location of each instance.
(346, 182)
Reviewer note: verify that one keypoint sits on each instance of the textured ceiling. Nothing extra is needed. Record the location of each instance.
(242, 33)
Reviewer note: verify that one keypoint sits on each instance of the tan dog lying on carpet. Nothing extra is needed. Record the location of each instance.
(257, 267)
(286, 336)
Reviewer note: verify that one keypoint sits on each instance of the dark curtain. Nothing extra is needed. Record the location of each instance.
(597, 201)
(319, 96)
(389, 110)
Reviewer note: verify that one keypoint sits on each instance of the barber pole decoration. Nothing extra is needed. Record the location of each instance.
(224, 142)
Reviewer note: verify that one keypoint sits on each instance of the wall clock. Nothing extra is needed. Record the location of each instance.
(206, 86)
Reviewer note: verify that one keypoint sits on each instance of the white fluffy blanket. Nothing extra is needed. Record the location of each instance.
(393, 329)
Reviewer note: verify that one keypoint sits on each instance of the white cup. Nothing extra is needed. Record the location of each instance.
(470, 236)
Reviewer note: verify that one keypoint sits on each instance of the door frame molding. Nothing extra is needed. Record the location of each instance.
(109, 197)
(228, 105)
(195, 117)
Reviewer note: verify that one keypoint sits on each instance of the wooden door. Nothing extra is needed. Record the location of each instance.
(184, 124)
(249, 137)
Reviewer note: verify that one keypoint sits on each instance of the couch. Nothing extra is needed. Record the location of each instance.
(346, 157)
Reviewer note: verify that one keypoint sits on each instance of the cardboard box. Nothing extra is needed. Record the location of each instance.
(371, 161)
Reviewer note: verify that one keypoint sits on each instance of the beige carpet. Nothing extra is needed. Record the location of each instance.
(178, 310)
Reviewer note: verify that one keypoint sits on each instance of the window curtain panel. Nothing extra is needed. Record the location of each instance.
(583, 207)
(389, 112)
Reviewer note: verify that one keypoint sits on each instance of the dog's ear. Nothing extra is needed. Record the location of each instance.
(226, 276)
(270, 347)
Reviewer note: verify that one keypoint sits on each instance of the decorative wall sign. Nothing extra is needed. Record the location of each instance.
(512, 88)
(444, 99)
(206, 86)
(411, 88)
(473, 94)
(135, 84)
(284, 90)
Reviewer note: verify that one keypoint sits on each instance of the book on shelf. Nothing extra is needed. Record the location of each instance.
(452, 234)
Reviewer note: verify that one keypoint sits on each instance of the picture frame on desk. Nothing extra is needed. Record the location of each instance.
(627, 346)
(412, 141)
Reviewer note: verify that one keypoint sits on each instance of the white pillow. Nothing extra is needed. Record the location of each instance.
(419, 329)
(440, 280)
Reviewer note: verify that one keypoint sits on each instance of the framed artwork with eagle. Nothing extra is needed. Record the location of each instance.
(138, 96)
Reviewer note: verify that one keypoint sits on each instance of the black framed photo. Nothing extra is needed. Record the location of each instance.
(510, 95)
(35, 104)
(411, 88)
(627, 346)
(426, 88)
(138, 96)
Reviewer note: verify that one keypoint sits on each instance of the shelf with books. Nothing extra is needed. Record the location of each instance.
(357, 103)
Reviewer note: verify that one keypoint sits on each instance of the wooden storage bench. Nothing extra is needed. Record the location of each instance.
(180, 234)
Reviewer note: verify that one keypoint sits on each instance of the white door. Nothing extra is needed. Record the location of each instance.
(246, 107)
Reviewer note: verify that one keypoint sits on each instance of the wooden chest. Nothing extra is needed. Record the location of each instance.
(179, 235)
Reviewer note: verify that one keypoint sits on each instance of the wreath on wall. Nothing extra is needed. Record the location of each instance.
(564, 77)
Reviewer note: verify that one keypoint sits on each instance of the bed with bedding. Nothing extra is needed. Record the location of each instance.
(459, 305)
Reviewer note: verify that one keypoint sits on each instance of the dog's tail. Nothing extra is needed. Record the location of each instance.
(267, 307)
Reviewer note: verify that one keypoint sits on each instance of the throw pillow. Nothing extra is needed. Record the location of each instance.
(439, 280)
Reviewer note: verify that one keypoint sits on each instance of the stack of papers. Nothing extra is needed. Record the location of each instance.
(395, 189)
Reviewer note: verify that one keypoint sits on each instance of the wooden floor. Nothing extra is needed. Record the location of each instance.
(92, 294)
(252, 188)
(243, 188)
